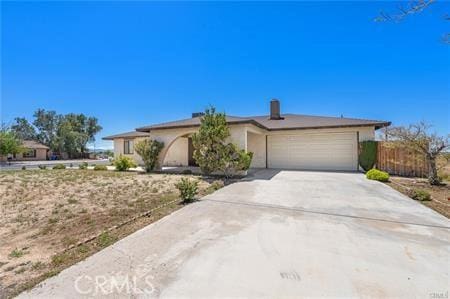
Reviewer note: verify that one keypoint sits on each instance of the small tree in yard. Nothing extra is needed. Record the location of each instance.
(212, 153)
(10, 143)
(418, 138)
(208, 142)
(149, 151)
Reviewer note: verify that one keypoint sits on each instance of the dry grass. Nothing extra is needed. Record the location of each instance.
(44, 212)
(440, 195)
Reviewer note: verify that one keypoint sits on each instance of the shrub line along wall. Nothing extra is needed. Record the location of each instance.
(398, 160)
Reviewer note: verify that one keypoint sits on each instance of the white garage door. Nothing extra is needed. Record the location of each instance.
(324, 151)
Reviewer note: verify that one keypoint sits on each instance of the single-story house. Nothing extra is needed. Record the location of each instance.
(288, 141)
(33, 151)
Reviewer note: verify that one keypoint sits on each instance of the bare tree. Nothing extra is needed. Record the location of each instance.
(446, 37)
(411, 8)
(417, 137)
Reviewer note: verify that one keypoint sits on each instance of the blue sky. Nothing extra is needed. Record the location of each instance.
(136, 63)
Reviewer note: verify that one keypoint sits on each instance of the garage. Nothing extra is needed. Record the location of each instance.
(314, 151)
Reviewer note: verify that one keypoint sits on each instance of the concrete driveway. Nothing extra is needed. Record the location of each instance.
(276, 235)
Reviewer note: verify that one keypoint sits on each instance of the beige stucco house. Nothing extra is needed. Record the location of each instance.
(289, 141)
(33, 151)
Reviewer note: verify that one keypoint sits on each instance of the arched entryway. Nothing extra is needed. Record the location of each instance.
(180, 152)
(176, 146)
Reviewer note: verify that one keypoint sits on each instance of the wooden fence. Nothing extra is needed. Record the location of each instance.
(398, 160)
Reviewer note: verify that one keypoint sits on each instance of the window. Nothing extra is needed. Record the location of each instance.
(128, 147)
(30, 153)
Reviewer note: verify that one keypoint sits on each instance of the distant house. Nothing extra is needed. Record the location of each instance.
(33, 151)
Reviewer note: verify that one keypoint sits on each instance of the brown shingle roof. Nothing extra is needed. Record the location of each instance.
(132, 134)
(33, 144)
(194, 122)
(298, 121)
(289, 122)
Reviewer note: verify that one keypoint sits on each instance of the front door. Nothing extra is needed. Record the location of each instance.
(191, 160)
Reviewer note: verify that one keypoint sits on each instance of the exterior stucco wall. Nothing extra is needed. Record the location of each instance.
(365, 133)
(118, 149)
(177, 154)
(238, 136)
(256, 143)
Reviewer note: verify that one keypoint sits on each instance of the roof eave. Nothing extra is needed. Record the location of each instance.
(376, 125)
(250, 121)
(382, 125)
(117, 136)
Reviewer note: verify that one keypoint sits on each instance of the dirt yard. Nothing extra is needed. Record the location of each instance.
(46, 212)
(440, 195)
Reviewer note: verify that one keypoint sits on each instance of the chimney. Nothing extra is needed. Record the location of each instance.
(197, 114)
(275, 109)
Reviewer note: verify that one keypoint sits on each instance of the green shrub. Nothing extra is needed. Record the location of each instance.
(377, 175)
(123, 163)
(368, 154)
(419, 194)
(59, 166)
(245, 159)
(24, 168)
(188, 189)
(234, 159)
(100, 167)
(149, 151)
(83, 165)
(43, 167)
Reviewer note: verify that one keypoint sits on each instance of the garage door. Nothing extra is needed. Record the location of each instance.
(325, 151)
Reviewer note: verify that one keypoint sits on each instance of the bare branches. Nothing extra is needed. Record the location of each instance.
(418, 138)
(413, 7)
(446, 36)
